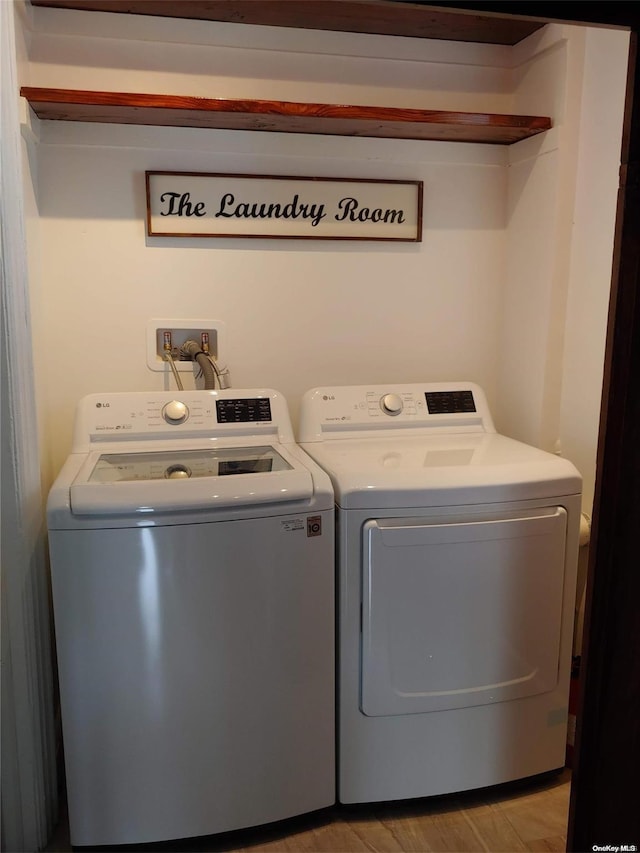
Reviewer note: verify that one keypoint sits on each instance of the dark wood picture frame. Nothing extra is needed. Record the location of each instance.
(361, 222)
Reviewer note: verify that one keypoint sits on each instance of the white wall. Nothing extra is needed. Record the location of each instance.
(597, 165)
(560, 218)
(541, 188)
(296, 314)
(134, 53)
(489, 295)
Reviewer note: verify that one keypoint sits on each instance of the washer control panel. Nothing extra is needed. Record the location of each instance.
(117, 413)
(170, 414)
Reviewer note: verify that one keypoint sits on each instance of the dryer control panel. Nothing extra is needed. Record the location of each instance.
(453, 406)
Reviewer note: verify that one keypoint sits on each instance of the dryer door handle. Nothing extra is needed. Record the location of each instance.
(400, 533)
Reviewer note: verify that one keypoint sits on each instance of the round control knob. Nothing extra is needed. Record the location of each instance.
(175, 412)
(177, 472)
(391, 404)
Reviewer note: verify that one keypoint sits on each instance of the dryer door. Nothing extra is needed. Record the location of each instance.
(460, 612)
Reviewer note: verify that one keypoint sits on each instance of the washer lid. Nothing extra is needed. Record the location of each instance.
(179, 479)
(442, 470)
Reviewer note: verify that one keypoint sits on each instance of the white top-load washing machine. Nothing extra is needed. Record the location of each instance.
(192, 559)
(457, 551)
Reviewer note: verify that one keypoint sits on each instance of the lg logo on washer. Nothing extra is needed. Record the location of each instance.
(314, 525)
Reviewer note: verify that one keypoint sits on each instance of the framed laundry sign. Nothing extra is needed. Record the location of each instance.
(196, 204)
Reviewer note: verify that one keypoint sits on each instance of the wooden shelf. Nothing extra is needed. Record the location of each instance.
(280, 116)
(382, 17)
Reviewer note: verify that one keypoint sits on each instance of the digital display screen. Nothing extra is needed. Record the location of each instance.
(243, 410)
(245, 466)
(450, 402)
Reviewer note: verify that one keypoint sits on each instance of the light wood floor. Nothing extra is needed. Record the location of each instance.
(525, 816)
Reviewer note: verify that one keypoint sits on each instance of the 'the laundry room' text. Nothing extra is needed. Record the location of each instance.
(348, 209)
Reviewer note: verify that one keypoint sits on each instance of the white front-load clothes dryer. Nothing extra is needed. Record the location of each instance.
(192, 561)
(457, 551)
